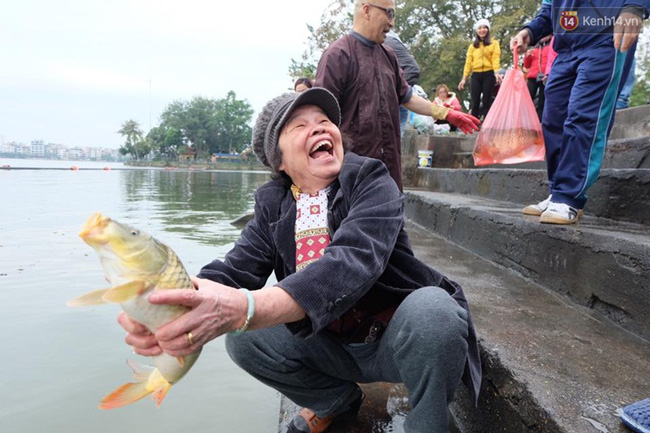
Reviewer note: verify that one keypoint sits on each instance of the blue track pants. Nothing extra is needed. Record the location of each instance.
(578, 115)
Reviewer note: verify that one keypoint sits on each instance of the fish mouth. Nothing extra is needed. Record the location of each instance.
(94, 227)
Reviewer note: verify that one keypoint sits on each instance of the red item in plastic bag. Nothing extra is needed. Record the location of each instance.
(511, 132)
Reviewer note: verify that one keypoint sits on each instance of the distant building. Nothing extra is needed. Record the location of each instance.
(37, 148)
(75, 153)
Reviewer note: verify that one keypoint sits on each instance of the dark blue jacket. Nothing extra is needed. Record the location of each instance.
(369, 253)
(594, 23)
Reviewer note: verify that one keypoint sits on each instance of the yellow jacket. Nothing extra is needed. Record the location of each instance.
(482, 59)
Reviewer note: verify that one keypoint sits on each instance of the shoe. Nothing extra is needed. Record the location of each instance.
(308, 422)
(560, 213)
(636, 416)
(537, 209)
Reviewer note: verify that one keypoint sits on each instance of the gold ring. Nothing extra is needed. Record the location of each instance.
(190, 338)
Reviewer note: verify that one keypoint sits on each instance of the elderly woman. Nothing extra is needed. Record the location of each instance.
(351, 305)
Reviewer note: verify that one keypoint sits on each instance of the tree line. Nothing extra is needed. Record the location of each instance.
(438, 33)
(199, 127)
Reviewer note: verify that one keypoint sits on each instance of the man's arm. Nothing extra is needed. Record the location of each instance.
(466, 122)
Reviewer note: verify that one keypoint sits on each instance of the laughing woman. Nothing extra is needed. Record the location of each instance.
(483, 63)
(352, 304)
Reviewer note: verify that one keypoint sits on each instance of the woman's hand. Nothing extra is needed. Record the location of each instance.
(215, 309)
(143, 341)
(461, 85)
(498, 77)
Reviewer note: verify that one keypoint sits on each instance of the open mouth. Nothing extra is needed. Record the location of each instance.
(322, 149)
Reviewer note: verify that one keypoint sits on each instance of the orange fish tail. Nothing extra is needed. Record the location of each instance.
(149, 381)
(124, 395)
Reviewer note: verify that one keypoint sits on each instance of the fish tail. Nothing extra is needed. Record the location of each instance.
(124, 395)
(149, 381)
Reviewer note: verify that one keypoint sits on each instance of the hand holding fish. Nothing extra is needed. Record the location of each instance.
(215, 309)
(138, 336)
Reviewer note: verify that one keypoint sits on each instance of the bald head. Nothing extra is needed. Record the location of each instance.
(374, 18)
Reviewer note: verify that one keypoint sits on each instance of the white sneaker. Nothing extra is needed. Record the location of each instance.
(560, 213)
(537, 209)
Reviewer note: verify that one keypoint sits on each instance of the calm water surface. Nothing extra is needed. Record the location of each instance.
(58, 362)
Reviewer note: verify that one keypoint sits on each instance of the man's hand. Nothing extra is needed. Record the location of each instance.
(626, 30)
(465, 122)
(520, 42)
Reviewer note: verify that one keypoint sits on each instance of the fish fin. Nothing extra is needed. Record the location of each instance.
(149, 381)
(160, 393)
(141, 372)
(125, 394)
(181, 361)
(95, 297)
(125, 292)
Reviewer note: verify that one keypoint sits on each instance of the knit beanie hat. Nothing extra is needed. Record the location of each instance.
(276, 112)
(482, 22)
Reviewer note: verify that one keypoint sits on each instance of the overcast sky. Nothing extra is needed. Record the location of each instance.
(72, 71)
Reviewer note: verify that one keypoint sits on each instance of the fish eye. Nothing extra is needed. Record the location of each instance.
(134, 232)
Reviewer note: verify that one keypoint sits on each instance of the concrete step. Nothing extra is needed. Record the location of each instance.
(457, 152)
(631, 123)
(549, 365)
(599, 264)
(618, 194)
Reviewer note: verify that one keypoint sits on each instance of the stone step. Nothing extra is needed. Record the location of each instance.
(628, 146)
(599, 264)
(549, 365)
(618, 194)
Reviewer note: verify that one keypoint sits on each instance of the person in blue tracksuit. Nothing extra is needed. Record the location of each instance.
(592, 40)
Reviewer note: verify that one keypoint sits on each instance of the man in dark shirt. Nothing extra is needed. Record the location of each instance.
(365, 77)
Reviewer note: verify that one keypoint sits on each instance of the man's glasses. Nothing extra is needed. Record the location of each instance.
(390, 12)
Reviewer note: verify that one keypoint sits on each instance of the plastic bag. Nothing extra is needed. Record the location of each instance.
(423, 124)
(511, 132)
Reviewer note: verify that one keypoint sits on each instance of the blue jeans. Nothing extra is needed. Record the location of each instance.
(623, 100)
(403, 115)
(423, 347)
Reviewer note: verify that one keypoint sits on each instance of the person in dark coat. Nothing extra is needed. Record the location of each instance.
(351, 304)
(364, 75)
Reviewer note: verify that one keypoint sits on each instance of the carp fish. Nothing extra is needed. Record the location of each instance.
(135, 264)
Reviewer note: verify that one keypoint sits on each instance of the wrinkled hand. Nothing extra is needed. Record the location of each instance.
(626, 30)
(520, 42)
(143, 341)
(215, 309)
(464, 121)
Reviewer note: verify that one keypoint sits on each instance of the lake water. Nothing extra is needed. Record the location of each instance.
(57, 362)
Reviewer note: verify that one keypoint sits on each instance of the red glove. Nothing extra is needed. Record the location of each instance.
(463, 121)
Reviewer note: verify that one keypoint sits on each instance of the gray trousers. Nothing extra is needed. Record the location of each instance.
(424, 347)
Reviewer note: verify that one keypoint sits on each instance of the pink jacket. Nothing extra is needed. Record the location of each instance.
(452, 102)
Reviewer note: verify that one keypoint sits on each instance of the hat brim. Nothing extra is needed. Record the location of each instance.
(318, 96)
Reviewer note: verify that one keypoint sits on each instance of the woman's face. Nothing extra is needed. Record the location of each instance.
(482, 31)
(442, 93)
(301, 87)
(312, 149)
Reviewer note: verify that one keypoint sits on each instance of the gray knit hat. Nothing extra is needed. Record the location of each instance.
(276, 112)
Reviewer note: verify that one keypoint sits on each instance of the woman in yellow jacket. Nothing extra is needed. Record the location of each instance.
(483, 62)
